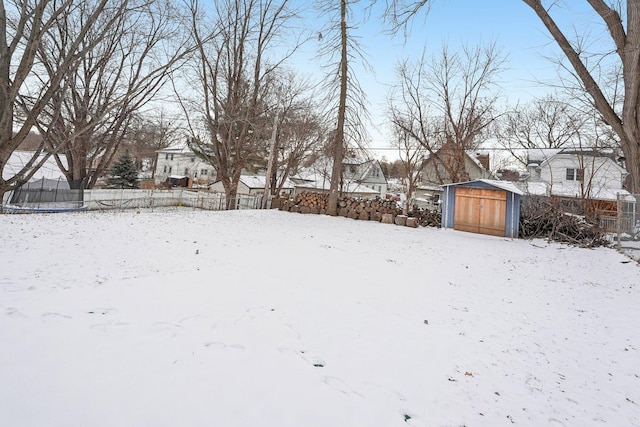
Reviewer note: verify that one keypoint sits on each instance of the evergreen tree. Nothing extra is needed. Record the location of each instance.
(124, 173)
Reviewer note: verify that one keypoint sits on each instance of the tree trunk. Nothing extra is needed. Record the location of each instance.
(338, 147)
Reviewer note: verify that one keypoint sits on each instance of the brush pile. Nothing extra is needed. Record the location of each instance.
(547, 220)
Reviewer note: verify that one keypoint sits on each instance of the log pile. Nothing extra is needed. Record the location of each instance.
(378, 209)
(349, 207)
(547, 220)
(426, 217)
(307, 202)
(367, 209)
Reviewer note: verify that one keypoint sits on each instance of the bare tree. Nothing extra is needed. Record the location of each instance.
(24, 92)
(546, 123)
(412, 154)
(149, 133)
(300, 130)
(234, 77)
(345, 98)
(124, 69)
(447, 104)
(622, 22)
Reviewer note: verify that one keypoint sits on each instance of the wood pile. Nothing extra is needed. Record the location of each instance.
(349, 207)
(367, 209)
(547, 220)
(426, 217)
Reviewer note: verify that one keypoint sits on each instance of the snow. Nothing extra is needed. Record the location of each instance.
(267, 318)
(504, 185)
(19, 159)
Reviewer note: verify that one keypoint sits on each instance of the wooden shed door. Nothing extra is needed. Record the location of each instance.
(480, 210)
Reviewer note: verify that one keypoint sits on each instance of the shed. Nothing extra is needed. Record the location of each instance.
(179, 181)
(482, 206)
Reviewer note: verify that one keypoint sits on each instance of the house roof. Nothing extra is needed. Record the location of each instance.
(256, 182)
(504, 185)
(540, 155)
(362, 171)
(563, 190)
(560, 189)
(351, 187)
(259, 181)
(534, 188)
(178, 148)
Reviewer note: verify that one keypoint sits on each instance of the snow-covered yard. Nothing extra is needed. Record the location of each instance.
(266, 318)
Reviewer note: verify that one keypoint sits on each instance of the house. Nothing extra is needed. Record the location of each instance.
(583, 181)
(366, 173)
(363, 179)
(176, 163)
(252, 185)
(442, 167)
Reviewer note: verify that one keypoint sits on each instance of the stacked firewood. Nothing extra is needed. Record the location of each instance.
(426, 217)
(367, 209)
(351, 207)
(547, 220)
(306, 202)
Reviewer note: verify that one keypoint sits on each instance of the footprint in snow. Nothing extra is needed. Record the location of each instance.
(308, 358)
(54, 317)
(534, 384)
(216, 345)
(164, 330)
(341, 386)
(108, 326)
(12, 311)
(102, 311)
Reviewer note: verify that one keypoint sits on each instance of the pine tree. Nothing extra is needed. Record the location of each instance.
(124, 173)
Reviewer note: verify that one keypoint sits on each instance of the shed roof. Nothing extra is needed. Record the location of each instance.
(504, 185)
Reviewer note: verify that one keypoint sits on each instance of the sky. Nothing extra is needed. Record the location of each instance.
(267, 318)
(511, 24)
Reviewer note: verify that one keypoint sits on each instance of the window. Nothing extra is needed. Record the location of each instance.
(193, 159)
(165, 169)
(166, 156)
(169, 169)
(204, 172)
(575, 174)
(172, 157)
(186, 171)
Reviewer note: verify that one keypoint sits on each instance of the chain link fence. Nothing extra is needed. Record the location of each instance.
(624, 225)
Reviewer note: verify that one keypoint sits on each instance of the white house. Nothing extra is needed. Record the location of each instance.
(360, 178)
(179, 162)
(366, 173)
(572, 176)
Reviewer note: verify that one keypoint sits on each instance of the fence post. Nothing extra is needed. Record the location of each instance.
(619, 217)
